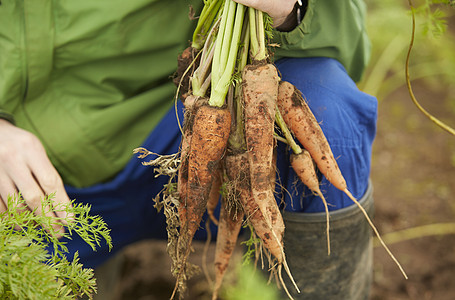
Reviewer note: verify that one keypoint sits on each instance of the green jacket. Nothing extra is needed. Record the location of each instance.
(91, 78)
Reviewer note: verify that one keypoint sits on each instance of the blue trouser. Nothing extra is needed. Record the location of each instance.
(347, 117)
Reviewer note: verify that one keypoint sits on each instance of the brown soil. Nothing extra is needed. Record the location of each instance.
(413, 172)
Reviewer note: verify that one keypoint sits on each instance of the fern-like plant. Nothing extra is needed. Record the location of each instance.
(28, 270)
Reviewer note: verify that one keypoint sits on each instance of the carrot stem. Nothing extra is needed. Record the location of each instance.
(286, 132)
(223, 66)
(280, 138)
(225, 41)
(262, 54)
(258, 48)
(237, 137)
(408, 81)
(253, 32)
(219, 44)
(206, 18)
(201, 73)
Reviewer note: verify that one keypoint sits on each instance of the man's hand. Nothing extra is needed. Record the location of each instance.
(25, 168)
(278, 10)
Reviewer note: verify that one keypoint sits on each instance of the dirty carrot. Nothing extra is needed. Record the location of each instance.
(303, 124)
(236, 166)
(306, 129)
(303, 166)
(192, 103)
(270, 235)
(208, 142)
(260, 88)
(230, 223)
(214, 196)
(182, 176)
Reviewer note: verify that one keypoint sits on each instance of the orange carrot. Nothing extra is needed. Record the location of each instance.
(208, 142)
(271, 235)
(237, 171)
(260, 87)
(259, 92)
(303, 124)
(214, 196)
(182, 176)
(191, 105)
(303, 166)
(272, 206)
(306, 129)
(228, 231)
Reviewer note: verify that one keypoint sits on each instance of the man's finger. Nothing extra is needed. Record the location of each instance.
(50, 182)
(7, 190)
(34, 196)
(2, 206)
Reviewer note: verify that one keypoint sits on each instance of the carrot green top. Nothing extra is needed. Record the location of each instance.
(92, 78)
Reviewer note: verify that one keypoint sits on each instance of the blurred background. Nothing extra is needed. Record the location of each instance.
(413, 168)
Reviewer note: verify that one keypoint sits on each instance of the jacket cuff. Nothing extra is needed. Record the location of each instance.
(7, 116)
(287, 39)
(294, 18)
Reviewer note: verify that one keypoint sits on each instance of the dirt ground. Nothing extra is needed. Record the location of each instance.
(413, 172)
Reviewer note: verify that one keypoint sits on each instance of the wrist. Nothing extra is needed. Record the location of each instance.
(294, 18)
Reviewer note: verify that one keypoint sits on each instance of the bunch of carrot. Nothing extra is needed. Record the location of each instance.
(233, 98)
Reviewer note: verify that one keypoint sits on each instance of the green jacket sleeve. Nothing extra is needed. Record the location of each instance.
(330, 28)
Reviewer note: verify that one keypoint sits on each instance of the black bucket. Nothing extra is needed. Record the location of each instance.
(345, 274)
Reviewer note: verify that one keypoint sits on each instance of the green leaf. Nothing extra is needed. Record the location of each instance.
(252, 285)
(27, 270)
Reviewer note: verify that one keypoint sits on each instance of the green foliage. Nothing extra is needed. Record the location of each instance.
(434, 18)
(251, 284)
(252, 243)
(268, 26)
(389, 26)
(27, 270)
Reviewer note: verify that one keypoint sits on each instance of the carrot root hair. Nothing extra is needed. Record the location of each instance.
(348, 193)
(280, 276)
(327, 214)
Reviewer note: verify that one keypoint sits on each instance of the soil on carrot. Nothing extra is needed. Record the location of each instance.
(413, 173)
